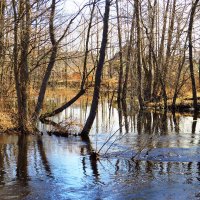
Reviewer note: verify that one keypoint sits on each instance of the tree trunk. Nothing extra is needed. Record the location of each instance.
(2, 51)
(199, 72)
(176, 90)
(50, 64)
(139, 63)
(120, 80)
(194, 93)
(84, 74)
(98, 74)
(23, 65)
(149, 70)
(128, 59)
(64, 106)
(21, 68)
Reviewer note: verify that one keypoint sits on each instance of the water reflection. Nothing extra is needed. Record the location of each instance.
(43, 156)
(22, 160)
(44, 167)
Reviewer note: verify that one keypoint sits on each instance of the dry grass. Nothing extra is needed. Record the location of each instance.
(6, 121)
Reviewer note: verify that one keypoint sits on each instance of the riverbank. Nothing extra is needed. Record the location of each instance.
(182, 105)
(6, 121)
(56, 97)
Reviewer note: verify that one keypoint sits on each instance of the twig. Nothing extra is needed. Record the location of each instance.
(109, 139)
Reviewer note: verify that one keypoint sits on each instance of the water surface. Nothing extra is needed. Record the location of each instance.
(149, 156)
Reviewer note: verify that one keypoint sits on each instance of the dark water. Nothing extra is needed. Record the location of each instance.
(152, 156)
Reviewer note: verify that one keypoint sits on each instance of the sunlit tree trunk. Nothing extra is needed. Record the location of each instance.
(139, 62)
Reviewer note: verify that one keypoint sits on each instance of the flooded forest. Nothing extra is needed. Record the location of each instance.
(99, 99)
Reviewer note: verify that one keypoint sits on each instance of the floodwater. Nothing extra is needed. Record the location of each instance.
(145, 155)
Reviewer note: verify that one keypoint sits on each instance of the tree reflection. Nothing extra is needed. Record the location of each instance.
(164, 123)
(85, 150)
(120, 119)
(147, 123)
(43, 155)
(22, 158)
(139, 122)
(2, 170)
(125, 113)
(175, 121)
(194, 123)
(22, 162)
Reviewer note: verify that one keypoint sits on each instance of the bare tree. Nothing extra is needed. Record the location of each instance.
(139, 63)
(192, 15)
(84, 73)
(98, 74)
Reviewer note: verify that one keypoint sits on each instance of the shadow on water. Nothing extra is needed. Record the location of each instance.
(167, 166)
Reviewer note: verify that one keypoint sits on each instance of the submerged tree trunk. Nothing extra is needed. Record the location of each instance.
(177, 87)
(161, 57)
(128, 59)
(148, 69)
(194, 92)
(120, 79)
(21, 67)
(98, 74)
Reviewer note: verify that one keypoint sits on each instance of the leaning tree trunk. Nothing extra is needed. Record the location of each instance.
(52, 58)
(84, 74)
(51, 63)
(194, 92)
(95, 100)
